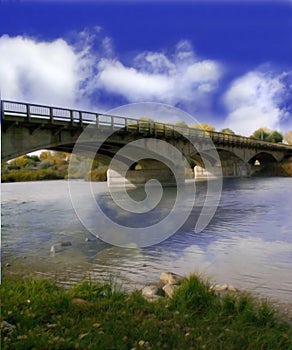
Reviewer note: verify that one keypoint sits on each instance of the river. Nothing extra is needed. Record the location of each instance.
(247, 244)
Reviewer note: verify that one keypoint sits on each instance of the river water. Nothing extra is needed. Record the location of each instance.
(247, 244)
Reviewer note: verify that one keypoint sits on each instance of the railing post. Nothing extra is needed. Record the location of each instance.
(28, 112)
(112, 122)
(51, 112)
(71, 117)
(2, 110)
(126, 124)
(80, 118)
(97, 120)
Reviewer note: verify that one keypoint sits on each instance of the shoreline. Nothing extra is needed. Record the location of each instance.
(102, 316)
(129, 286)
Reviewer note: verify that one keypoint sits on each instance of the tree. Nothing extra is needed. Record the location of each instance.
(227, 131)
(45, 155)
(265, 134)
(275, 136)
(261, 134)
(181, 124)
(288, 137)
(145, 122)
(203, 126)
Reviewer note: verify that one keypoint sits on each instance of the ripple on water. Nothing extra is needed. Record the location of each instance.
(248, 242)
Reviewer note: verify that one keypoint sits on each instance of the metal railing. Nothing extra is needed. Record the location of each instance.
(78, 118)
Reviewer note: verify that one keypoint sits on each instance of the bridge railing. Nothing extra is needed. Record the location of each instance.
(35, 113)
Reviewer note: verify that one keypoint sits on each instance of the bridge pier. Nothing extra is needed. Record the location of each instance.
(138, 177)
(201, 174)
(228, 168)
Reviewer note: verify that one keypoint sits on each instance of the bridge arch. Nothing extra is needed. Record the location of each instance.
(263, 158)
(29, 127)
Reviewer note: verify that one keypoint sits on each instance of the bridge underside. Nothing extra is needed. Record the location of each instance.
(21, 138)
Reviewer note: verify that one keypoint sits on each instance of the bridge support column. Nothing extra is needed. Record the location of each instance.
(201, 174)
(238, 168)
(227, 169)
(138, 178)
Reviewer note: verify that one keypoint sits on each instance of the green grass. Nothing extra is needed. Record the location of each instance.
(48, 317)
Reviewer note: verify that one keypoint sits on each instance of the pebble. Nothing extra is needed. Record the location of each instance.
(7, 326)
(82, 302)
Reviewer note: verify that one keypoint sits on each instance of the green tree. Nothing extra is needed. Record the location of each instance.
(181, 124)
(203, 126)
(45, 155)
(227, 131)
(261, 134)
(275, 136)
(268, 135)
(34, 158)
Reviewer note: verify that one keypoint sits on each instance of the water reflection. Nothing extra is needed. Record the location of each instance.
(248, 242)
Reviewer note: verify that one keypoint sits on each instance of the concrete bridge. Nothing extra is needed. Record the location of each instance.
(30, 127)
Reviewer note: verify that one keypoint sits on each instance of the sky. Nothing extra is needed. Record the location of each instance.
(226, 63)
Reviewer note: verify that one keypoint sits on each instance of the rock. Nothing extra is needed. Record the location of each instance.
(171, 278)
(151, 290)
(55, 249)
(7, 264)
(7, 327)
(154, 298)
(81, 302)
(141, 343)
(59, 247)
(89, 239)
(65, 244)
(223, 288)
(169, 289)
(219, 287)
(231, 288)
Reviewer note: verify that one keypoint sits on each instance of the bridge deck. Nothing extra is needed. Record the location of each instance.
(33, 116)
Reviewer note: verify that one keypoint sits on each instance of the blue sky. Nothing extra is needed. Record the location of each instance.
(227, 63)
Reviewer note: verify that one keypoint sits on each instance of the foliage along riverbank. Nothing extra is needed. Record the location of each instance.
(38, 314)
(51, 166)
(54, 166)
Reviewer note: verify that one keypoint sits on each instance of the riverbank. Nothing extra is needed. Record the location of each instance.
(38, 314)
(51, 166)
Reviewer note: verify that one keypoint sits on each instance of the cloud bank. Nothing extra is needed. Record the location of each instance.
(86, 72)
(254, 100)
(43, 72)
(155, 76)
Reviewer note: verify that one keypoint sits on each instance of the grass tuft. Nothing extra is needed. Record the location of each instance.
(91, 315)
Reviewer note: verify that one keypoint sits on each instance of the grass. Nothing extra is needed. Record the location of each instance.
(47, 316)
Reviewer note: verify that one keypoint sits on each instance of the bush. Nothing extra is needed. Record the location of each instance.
(97, 175)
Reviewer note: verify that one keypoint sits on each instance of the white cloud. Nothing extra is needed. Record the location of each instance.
(76, 74)
(132, 84)
(66, 74)
(44, 72)
(156, 76)
(254, 100)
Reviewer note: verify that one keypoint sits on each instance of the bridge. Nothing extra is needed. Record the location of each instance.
(30, 127)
